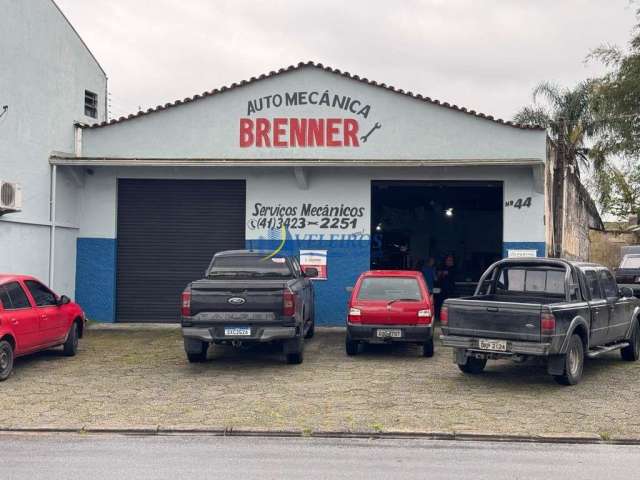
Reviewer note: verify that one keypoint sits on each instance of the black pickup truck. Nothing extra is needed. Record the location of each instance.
(555, 309)
(249, 296)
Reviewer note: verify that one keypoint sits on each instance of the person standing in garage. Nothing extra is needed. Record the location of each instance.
(446, 282)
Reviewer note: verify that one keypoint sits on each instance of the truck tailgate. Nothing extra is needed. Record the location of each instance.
(489, 319)
(257, 296)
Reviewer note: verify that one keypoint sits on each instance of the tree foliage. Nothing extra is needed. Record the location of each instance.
(602, 117)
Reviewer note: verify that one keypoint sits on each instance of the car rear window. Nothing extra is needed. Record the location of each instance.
(631, 261)
(389, 288)
(531, 280)
(249, 266)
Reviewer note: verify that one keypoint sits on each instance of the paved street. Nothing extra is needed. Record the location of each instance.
(67, 457)
(141, 379)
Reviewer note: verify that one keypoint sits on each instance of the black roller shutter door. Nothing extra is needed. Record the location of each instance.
(168, 230)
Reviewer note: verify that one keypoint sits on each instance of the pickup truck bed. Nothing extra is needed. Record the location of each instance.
(248, 297)
(550, 308)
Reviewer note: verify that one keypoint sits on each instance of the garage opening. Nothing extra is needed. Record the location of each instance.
(413, 221)
(168, 230)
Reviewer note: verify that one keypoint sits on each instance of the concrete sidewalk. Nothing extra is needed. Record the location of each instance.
(136, 377)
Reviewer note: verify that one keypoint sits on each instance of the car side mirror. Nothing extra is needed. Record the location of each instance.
(311, 272)
(349, 289)
(63, 300)
(626, 292)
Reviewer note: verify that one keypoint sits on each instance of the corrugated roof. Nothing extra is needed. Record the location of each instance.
(320, 66)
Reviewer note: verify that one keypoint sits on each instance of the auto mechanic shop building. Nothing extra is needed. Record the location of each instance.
(357, 173)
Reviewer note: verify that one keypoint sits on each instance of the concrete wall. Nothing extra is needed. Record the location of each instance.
(606, 246)
(45, 69)
(348, 249)
(578, 217)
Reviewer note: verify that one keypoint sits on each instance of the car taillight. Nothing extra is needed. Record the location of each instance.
(547, 324)
(425, 315)
(444, 316)
(186, 304)
(289, 303)
(354, 315)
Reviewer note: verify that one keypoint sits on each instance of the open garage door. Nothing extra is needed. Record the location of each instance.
(168, 230)
(415, 220)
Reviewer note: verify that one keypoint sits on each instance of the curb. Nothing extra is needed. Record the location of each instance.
(587, 439)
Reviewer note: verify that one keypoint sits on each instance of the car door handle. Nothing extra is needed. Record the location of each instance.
(14, 321)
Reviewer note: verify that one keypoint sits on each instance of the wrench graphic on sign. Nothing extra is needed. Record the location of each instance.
(365, 137)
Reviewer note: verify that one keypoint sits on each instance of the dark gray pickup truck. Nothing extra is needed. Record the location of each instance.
(249, 296)
(555, 309)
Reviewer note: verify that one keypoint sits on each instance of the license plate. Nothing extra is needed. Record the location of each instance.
(237, 331)
(389, 333)
(495, 345)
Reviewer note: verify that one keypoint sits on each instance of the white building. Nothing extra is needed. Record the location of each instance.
(48, 81)
(374, 176)
(304, 159)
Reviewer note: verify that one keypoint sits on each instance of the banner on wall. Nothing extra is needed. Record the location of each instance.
(316, 259)
(522, 253)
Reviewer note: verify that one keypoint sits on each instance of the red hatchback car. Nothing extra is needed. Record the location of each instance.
(390, 306)
(34, 318)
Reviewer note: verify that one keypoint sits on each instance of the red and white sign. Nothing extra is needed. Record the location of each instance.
(341, 121)
(316, 259)
(299, 132)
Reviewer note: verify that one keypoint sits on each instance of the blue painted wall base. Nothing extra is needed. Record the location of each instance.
(346, 260)
(96, 278)
(539, 247)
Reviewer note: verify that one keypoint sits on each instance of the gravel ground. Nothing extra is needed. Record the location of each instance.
(140, 378)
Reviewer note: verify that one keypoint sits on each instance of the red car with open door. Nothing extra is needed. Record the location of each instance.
(390, 306)
(33, 318)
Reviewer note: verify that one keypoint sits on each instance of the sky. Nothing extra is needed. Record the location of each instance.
(485, 55)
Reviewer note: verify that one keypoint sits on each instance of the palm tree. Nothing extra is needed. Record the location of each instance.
(566, 114)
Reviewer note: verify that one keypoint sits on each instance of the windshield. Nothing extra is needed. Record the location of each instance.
(631, 261)
(249, 266)
(389, 288)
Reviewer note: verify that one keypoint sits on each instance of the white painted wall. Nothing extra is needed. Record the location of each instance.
(98, 200)
(411, 128)
(45, 69)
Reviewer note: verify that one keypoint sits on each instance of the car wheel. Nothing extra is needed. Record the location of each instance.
(6, 360)
(573, 363)
(295, 351)
(427, 348)
(632, 352)
(351, 347)
(198, 354)
(312, 328)
(473, 365)
(70, 347)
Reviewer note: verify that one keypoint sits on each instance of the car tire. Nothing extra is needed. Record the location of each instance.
(295, 354)
(70, 346)
(312, 328)
(6, 360)
(573, 362)
(631, 353)
(200, 355)
(351, 347)
(427, 348)
(473, 366)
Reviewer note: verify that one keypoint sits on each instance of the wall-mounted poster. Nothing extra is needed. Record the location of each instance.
(316, 259)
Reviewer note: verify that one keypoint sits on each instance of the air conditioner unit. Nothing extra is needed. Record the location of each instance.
(10, 197)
